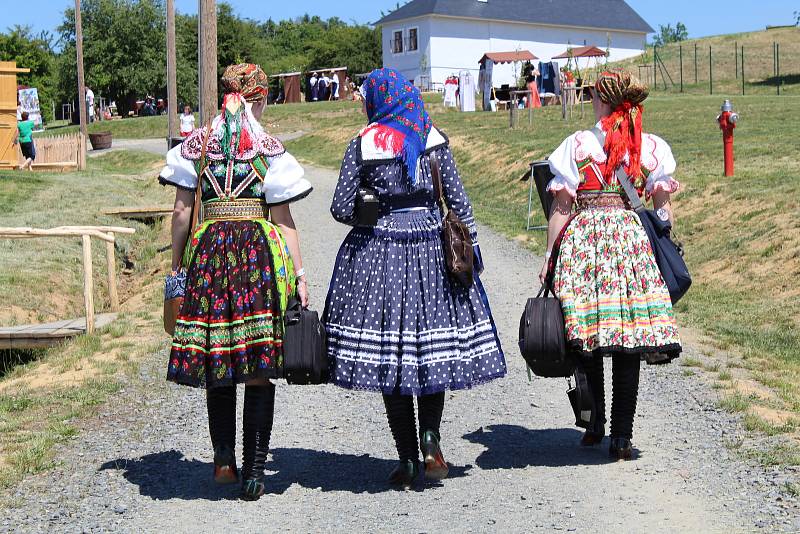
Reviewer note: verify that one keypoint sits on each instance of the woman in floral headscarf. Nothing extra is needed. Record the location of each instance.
(237, 270)
(397, 323)
(603, 270)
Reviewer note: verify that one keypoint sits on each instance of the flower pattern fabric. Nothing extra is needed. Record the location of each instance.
(612, 293)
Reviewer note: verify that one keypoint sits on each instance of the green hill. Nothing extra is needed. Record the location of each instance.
(726, 50)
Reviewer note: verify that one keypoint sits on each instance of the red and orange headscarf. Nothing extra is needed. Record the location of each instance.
(623, 128)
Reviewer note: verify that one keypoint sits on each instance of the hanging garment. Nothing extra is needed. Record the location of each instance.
(485, 83)
(450, 89)
(467, 89)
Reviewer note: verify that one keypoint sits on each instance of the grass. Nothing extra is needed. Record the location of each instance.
(759, 74)
(735, 403)
(44, 394)
(128, 128)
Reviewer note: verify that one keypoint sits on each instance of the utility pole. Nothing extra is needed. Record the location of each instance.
(207, 45)
(172, 77)
(82, 113)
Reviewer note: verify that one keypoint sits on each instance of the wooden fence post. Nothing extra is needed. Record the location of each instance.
(680, 55)
(88, 283)
(112, 274)
(710, 72)
(742, 70)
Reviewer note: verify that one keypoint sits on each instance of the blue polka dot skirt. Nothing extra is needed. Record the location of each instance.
(397, 322)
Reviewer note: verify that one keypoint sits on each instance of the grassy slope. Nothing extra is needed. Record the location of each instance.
(741, 233)
(44, 393)
(758, 62)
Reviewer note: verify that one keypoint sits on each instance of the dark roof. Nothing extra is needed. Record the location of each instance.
(608, 14)
(581, 51)
(508, 57)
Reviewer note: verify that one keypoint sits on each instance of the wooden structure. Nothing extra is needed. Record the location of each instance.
(82, 112)
(40, 336)
(207, 58)
(8, 113)
(172, 76)
(291, 86)
(86, 233)
(57, 153)
(140, 213)
(582, 52)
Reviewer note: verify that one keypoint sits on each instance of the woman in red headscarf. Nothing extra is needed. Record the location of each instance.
(237, 270)
(604, 272)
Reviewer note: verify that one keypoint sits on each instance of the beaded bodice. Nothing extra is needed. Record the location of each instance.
(233, 179)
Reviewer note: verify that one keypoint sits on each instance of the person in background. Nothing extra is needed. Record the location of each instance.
(90, 104)
(324, 87)
(334, 86)
(534, 101)
(313, 83)
(599, 259)
(239, 269)
(398, 324)
(187, 121)
(24, 136)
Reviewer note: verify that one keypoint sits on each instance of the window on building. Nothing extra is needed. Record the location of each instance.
(412, 40)
(397, 42)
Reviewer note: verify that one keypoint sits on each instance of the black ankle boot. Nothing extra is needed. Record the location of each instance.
(404, 474)
(225, 466)
(620, 449)
(436, 467)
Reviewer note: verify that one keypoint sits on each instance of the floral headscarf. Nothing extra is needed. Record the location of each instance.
(624, 93)
(247, 79)
(242, 83)
(396, 111)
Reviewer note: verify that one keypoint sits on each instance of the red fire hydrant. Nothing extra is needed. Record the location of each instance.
(727, 123)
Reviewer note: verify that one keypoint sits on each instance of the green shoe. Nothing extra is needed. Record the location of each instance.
(252, 489)
(404, 474)
(436, 467)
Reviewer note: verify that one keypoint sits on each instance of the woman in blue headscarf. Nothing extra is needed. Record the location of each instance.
(397, 322)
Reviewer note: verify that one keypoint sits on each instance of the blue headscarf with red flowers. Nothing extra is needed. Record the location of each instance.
(395, 110)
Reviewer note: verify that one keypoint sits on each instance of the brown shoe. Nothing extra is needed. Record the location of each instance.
(225, 467)
(621, 449)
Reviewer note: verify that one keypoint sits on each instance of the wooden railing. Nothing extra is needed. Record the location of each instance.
(57, 152)
(86, 233)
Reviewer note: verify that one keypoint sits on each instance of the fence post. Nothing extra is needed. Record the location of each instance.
(710, 72)
(695, 62)
(88, 283)
(736, 57)
(680, 55)
(778, 65)
(742, 70)
(111, 266)
(655, 67)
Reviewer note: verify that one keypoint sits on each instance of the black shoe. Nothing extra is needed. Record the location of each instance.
(252, 489)
(591, 438)
(620, 449)
(436, 467)
(225, 466)
(404, 474)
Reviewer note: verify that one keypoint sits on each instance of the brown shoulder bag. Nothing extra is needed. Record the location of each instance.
(172, 306)
(457, 243)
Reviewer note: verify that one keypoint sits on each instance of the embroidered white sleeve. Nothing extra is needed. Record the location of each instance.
(564, 167)
(178, 170)
(661, 178)
(285, 180)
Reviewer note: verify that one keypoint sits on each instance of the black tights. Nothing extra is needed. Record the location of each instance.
(625, 390)
(400, 412)
(259, 408)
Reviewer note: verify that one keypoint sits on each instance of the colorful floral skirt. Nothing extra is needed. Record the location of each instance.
(612, 293)
(229, 329)
(398, 323)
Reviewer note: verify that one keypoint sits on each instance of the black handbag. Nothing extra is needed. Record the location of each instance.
(367, 207)
(305, 354)
(542, 337)
(668, 254)
(582, 400)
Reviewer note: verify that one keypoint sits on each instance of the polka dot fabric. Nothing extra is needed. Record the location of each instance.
(396, 322)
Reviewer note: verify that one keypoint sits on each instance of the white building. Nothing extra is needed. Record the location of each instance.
(427, 40)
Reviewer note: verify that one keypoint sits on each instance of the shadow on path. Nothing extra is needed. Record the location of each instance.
(170, 475)
(516, 447)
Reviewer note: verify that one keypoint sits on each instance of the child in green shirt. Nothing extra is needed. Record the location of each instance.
(24, 137)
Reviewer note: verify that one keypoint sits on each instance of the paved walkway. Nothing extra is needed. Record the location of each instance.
(144, 464)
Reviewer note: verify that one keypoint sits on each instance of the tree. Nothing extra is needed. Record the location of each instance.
(33, 52)
(667, 34)
(797, 18)
(124, 50)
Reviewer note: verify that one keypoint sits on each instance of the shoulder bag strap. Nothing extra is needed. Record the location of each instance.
(622, 176)
(436, 174)
(198, 192)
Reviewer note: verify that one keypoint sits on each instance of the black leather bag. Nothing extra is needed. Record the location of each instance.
(542, 338)
(367, 205)
(305, 354)
(582, 400)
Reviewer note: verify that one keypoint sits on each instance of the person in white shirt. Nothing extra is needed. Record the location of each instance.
(314, 88)
(187, 121)
(335, 86)
(90, 103)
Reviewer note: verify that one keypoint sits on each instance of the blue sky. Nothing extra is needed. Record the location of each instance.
(702, 17)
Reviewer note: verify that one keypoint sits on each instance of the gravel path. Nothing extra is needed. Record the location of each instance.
(144, 464)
